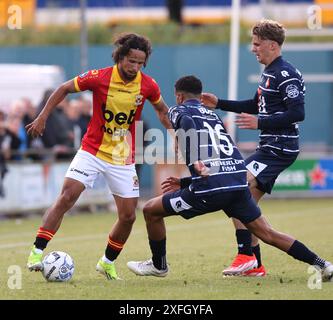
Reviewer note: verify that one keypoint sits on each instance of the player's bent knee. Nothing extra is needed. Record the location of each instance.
(68, 198)
(148, 208)
(127, 218)
(148, 213)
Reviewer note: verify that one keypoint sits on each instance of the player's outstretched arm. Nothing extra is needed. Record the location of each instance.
(247, 121)
(162, 112)
(37, 127)
(209, 100)
(295, 113)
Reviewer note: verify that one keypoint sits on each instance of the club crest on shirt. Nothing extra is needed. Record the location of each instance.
(138, 99)
(292, 91)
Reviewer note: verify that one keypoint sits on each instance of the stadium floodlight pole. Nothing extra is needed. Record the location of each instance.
(233, 64)
(83, 36)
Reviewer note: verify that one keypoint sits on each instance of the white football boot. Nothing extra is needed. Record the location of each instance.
(146, 268)
(327, 273)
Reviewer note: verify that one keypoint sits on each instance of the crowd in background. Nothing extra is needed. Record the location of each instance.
(65, 127)
(62, 136)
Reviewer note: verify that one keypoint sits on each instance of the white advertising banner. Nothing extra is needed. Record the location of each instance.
(36, 186)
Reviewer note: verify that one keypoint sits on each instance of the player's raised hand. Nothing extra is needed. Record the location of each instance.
(201, 169)
(209, 100)
(36, 127)
(247, 121)
(171, 184)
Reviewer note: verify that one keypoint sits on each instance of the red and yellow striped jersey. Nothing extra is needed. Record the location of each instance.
(110, 134)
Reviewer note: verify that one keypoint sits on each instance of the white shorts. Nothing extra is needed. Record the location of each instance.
(121, 179)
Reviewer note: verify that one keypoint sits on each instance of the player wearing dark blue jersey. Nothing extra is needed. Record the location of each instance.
(210, 143)
(278, 106)
(217, 182)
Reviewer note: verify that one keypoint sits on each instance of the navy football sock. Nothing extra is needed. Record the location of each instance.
(244, 239)
(256, 251)
(158, 249)
(300, 252)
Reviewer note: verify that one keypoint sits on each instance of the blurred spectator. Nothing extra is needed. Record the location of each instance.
(4, 153)
(30, 111)
(33, 144)
(175, 8)
(12, 141)
(9, 144)
(78, 116)
(56, 134)
(15, 124)
(85, 116)
(73, 112)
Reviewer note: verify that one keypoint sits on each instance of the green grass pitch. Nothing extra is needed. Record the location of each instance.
(198, 250)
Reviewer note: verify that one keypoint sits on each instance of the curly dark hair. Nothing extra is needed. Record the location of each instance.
(124, 42)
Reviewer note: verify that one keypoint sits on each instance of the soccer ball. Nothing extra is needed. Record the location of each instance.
(58, 266)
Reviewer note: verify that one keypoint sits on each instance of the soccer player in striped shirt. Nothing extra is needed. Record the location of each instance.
(276, 109)
(119, 94)
(218, 182)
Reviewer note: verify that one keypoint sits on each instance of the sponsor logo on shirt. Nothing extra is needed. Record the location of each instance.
(79, 171)
(285, 73)
(178, 204)
(256, 167)
(120, 118)
(83, 74)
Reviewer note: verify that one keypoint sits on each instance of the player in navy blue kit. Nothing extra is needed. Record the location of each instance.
(278, 105)
(217, 182)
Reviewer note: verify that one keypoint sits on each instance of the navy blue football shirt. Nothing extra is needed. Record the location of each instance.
(281, 89)
(204, 138)
(279, 103)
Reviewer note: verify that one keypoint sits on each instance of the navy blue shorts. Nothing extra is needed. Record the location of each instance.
(266, 165)
(236, 204)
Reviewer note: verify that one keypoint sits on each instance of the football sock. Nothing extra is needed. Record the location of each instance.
(319, 262)
(105, 259)
(113, 249)
(158, 249)
(43, 237)
(244, 239)
(300, 252)
(256, 251)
